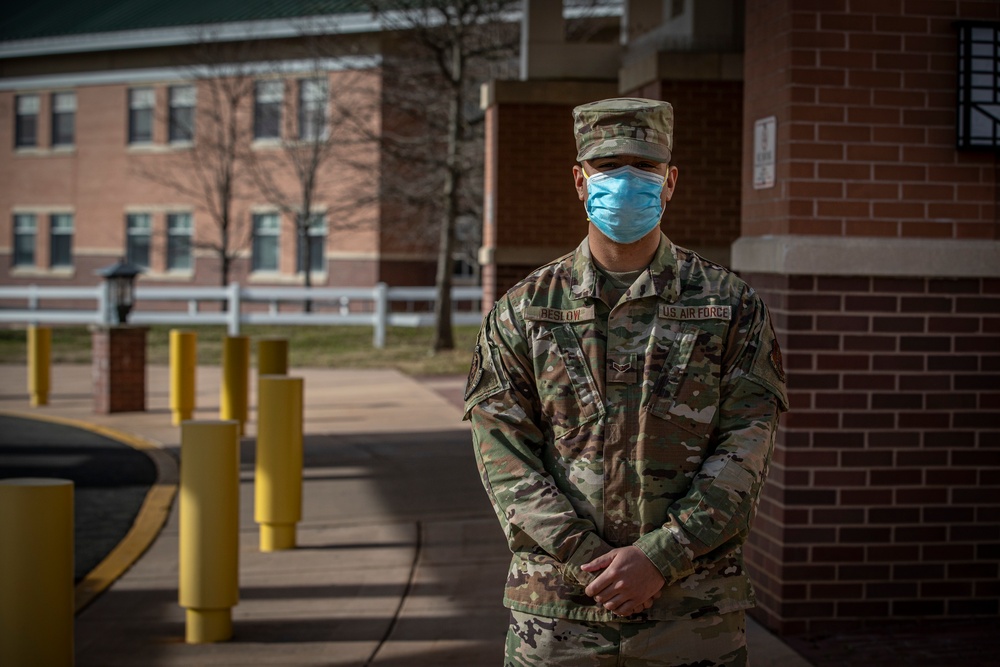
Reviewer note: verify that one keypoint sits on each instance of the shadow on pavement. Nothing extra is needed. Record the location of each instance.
(110, 479)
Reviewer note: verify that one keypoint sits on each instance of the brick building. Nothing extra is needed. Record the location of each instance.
(821, 155)
(120, 125)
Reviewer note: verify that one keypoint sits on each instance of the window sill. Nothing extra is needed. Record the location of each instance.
(307, 141)
(54, 273)
(264, 277)
(268, 143)
(185, 275)
(181, 145)
(146, 147)
(28, 151)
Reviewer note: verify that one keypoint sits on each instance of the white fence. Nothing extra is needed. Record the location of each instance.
(330, 305)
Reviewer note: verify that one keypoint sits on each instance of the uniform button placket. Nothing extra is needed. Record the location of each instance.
(615, 447)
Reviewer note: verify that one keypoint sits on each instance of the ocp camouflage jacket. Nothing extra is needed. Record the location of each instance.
(649, 423)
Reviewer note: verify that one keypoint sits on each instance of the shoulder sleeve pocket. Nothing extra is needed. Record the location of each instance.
(486, 374)
(767, 369)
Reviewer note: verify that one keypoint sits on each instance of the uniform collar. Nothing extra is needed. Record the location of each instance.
(659, 278)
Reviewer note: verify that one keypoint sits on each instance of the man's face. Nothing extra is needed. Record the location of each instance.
(610, 162)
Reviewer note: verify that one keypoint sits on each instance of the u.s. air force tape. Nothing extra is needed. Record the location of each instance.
(696, 312)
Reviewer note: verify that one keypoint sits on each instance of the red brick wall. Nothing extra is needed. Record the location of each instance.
(708, 144)
(402, 273)
(119, 359)
(864, 95)
(530, 155)
(884, 495)
(883, 499)
(101, 178)
(537, 203)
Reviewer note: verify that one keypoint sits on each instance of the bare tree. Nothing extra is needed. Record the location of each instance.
(313, 158)
(444, 48)
(419, 115)
(207, 167)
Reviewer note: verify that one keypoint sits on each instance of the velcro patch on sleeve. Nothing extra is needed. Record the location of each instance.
(486, 373)
(544, 314)
(767, 368)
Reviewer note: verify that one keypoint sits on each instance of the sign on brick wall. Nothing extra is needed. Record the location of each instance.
(764, 135)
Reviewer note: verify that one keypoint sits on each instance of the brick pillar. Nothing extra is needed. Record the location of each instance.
(877, 253)
(532, 214)
(704, 213)
(119, 369)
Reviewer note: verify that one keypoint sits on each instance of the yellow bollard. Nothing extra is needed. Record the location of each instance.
(272, 356)
(235, 379)
(39, 364)
(36, 572)
(209, 528)
(278, 476)
(183, 368)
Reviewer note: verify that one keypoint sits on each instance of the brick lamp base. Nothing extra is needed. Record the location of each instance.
(119, 369)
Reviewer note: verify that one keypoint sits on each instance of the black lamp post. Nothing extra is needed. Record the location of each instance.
(121, 278)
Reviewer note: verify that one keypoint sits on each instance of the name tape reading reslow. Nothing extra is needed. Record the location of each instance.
(542, 314)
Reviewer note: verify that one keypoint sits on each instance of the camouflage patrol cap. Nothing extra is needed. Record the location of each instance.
(624, 126)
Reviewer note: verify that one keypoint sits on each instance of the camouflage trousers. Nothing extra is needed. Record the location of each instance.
(709, 641)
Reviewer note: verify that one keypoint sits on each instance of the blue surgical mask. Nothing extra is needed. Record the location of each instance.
(624, 203)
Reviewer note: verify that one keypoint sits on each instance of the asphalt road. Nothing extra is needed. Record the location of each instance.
(110, 479)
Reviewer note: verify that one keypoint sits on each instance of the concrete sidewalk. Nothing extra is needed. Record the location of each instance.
(400, 559)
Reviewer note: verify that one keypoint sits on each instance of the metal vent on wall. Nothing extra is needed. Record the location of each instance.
(978, 86)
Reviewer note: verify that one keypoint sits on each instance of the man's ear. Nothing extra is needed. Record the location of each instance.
(670, 183)
(580, 182)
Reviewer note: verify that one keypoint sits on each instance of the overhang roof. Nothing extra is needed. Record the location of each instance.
(57, 18)
(47, 27)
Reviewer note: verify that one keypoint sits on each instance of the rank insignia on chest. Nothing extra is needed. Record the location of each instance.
(696, 312)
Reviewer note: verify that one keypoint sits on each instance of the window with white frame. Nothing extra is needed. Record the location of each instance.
(181, 121)
(61, 240)
(63, 119)
(138, 233)
(266, 233)
(25, 233)
(141, 102)
(268, 99)
(313, 242)
(312, 109)
(179, 231)
(26, 121)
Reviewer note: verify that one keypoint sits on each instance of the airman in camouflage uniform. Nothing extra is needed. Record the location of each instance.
(623, 423)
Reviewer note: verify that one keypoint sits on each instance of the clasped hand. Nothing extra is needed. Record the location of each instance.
(629, 582)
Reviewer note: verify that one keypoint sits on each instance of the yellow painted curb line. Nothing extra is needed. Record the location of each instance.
(148, 522)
